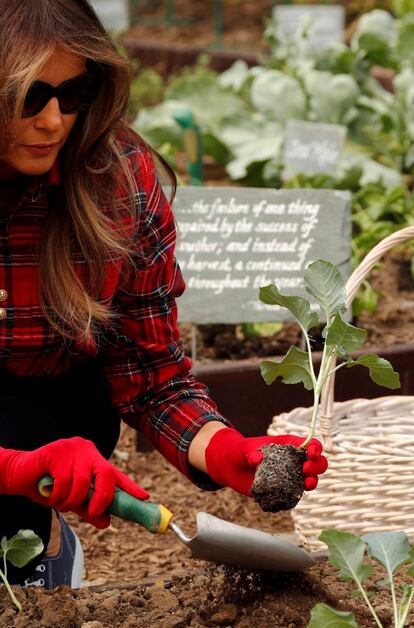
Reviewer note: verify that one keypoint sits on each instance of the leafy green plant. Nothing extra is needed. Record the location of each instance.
(325, 284)
(346, 552)
(243, 124)
(147, 90)
(402, 7)
(147, 87)
(260, 329)
(378, 212)
(19, 550)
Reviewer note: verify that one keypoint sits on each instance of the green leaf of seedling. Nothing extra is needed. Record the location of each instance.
(293, 369)
(299, 307)
(324, 281)
(346, 553)
(390, 549)
(410, 571)
(323, 616)
(344, 336)
(380, 370)
(406, 599)
(22, 547)
(3, 546)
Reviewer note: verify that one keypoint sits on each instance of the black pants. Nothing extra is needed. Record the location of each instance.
(38, 410)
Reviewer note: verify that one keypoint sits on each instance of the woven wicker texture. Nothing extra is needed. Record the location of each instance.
(369, 485)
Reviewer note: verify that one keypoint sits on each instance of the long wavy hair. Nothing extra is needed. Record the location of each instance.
(91, 159)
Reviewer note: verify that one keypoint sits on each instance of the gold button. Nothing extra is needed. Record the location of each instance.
(3, 295)
(3, 313)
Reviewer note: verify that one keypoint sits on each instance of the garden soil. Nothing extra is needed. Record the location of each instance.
(243, 23)
(133, 578)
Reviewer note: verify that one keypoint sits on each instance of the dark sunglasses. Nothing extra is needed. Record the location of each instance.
(73, 95)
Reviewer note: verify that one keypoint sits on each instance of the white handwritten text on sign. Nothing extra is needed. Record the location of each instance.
(312, 147)
(232, 241)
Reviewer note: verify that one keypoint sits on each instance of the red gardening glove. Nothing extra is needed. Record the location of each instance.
(75, 464)
(232, 459)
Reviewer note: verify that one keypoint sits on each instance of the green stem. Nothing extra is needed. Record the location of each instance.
(9, 589)
(309, 350)
(322, 375)
(317, 384)
(332, 371)
(317, 387)
(394, 598)
(313, 421)
(368, 603)
(401, 623)
(315, 396)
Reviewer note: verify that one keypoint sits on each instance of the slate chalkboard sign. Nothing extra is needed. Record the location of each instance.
(232, 241)
(327, 22)
(312, 147)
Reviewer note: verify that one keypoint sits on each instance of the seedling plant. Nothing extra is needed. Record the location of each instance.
(19, 550)
(323, 281)
(347, 552)
(278, 483)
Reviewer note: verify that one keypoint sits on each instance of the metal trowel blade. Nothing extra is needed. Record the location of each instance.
(228, 543)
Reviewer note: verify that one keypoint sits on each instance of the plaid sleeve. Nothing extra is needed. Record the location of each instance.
(144, 361)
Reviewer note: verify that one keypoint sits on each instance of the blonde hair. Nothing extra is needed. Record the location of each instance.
(91, 159)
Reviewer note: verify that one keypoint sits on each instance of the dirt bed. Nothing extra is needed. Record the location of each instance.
(133, 579)
(193, 22)
(243, 23)
(211, 598)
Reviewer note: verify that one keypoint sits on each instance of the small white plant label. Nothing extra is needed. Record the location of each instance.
(325, 24)
(312, 148)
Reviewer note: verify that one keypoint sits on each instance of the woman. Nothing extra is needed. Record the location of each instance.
(88, 283)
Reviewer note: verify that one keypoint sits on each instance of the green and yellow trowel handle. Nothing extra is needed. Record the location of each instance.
(154, 517)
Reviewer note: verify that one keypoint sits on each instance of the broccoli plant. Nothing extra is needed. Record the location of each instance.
(346, 552)
(278, 483)
(324, 282)
(19, 550)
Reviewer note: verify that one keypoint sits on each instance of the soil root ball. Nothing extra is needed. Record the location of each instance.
(278, 482)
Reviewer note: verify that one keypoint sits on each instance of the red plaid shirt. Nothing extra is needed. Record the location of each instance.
(141, 355)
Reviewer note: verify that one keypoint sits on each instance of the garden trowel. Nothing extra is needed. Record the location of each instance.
(216, 540)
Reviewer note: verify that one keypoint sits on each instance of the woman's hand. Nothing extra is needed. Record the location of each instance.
(75, 464)
(231, 458)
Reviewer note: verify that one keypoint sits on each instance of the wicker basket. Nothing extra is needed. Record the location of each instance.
(369, 485)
